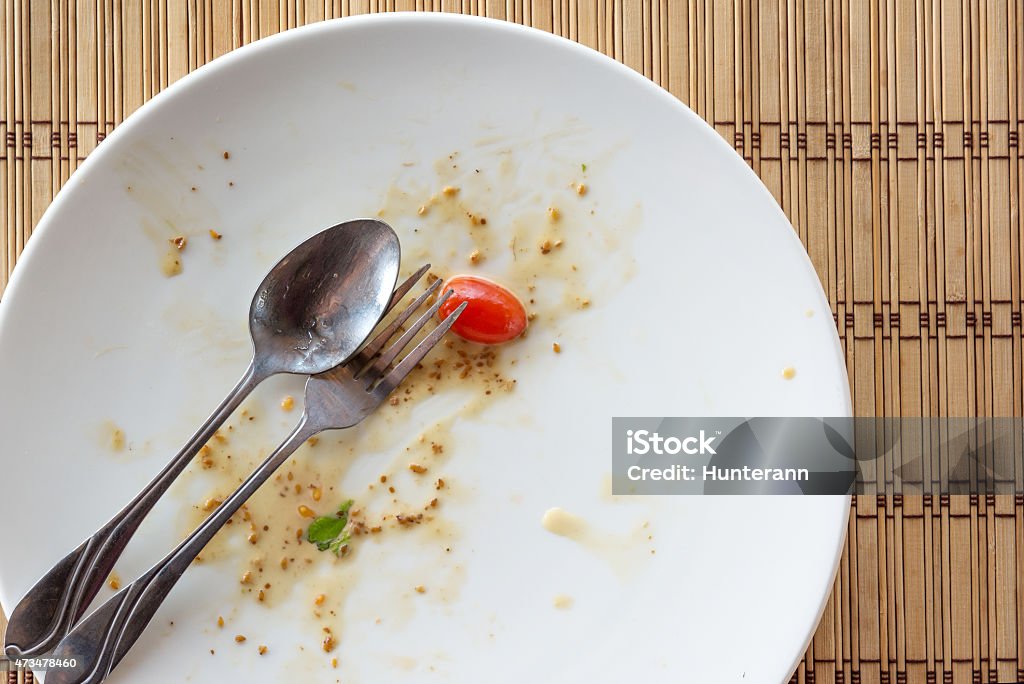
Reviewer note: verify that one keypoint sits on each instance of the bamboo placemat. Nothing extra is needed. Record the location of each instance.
(888, 130)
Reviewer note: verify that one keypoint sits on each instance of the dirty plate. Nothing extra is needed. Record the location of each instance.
(671, 283)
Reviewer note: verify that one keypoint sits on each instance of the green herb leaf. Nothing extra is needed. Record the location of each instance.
(328, 531)
(325, 530)
(584, 167)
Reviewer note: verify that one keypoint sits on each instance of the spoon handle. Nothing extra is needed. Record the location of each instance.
(58, 599)
(98, 643)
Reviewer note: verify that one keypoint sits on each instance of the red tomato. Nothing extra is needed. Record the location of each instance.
(493, 314)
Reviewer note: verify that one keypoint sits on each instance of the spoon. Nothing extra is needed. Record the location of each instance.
(311, 313)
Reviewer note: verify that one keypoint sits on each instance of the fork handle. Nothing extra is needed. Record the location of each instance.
(56, 601)
(98, 643)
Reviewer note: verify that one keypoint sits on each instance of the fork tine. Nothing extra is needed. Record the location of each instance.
(367, 353)
(404, 288)
(397, 374)
(377, 368)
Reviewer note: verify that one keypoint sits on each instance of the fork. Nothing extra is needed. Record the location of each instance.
(61, 596)
(337, 399)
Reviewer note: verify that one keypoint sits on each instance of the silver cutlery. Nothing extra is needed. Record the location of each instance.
(337, 399)
(311, 312)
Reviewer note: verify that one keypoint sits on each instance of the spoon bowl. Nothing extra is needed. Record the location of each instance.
(317, 305)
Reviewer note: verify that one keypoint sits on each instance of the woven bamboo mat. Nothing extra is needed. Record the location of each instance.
(888, 130)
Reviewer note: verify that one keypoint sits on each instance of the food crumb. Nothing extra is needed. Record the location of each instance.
(319, 600)
(328, 643)
(475, 257)
(562, 602)
(313, 441)
(316, 493)
(114, 581)
(170, 265)
(117, 439)
(554, 214)
(215, 235)
(288, 403)
(220, 621)
(420, 589)
(417, 468)
(439, 484)
(334, 662)
(227, 155)
(557, 348)
(262, 649)
(449, 191)
(545, 247)
(557, 521)
(788, 373)
(581, 189)
(239, 638)
(306, 512)
(246, 577)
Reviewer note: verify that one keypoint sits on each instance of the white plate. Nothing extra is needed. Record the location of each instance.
(700, 297)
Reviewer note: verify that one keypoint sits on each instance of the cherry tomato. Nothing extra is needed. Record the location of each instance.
(493, 314)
